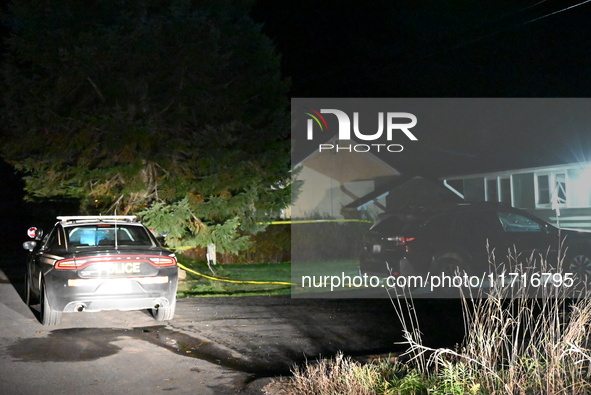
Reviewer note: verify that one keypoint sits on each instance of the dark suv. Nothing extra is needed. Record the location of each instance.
(467, 236)
(90, 263)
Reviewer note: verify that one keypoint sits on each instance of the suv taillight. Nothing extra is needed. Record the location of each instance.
(400, 240)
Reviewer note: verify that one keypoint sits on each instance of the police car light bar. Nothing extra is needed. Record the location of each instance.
(75, 218)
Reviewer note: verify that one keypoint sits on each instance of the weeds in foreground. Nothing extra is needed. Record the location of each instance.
(535, 340)
(343, 375)
(514, 344)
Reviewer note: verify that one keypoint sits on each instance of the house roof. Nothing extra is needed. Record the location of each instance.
(377, 193)
(501, 173)
(398, 183)
(345, 166)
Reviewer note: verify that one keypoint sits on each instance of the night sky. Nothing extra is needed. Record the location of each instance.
(446, 49)
(430, 48)
(451, 49)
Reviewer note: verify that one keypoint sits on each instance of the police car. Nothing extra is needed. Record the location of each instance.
(94, 263)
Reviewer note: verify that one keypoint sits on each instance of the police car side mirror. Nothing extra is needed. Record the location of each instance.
(35, 233)
(30, 245)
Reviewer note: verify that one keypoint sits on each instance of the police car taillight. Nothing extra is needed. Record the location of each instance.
(70, 264)
(162, 261)
(77, 263)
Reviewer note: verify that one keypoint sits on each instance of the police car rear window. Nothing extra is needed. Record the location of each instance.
(107, 235)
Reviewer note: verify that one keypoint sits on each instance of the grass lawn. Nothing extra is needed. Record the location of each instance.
(223, 285)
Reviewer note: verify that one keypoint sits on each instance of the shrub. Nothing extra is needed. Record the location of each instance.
(311, 242)
(323, 241)
(272, 245)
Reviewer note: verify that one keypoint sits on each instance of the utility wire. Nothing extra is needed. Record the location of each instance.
(428, 53)
(502, 30)
(557, 12)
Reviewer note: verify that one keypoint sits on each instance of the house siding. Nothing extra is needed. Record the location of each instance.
(323, 197)
(561, 195)
(474, 189)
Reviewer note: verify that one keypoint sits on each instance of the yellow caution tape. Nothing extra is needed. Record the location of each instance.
(233, 281)
(314, 221)
(270, 223)
(249, 281)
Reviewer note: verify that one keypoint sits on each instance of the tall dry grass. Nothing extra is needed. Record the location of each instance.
(520, 339)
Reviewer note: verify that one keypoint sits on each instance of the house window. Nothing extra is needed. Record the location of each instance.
(559, 193)
(543, 190)
(551, 189)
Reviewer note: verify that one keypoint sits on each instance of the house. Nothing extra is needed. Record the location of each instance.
(529, 153)
(404, 191)
(331, 180)
(344, 185)
(559, 194)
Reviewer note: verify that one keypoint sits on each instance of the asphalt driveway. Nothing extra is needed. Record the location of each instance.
(213, 345)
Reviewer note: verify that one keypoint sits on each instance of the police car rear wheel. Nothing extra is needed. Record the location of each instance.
(49, 316)
(164, 313)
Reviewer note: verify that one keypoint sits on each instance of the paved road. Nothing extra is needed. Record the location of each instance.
(213, 346)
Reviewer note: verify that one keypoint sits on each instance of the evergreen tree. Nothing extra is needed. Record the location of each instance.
(175, 110)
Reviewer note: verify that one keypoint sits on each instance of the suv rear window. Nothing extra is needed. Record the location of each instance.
(105, 234)
(395, 224)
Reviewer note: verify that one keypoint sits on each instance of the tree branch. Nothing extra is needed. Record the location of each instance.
(98, 91)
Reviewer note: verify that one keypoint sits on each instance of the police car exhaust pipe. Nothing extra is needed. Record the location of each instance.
(80, 308)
